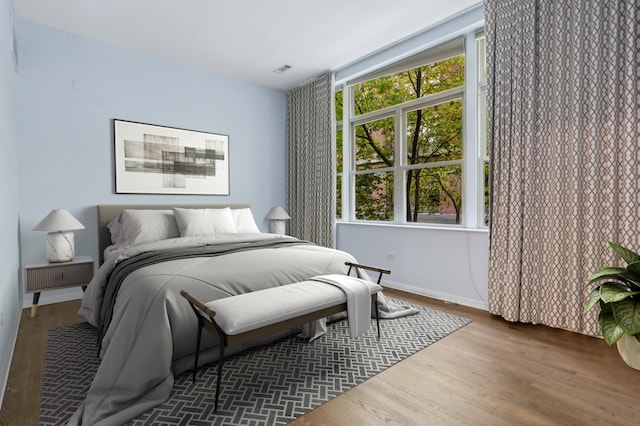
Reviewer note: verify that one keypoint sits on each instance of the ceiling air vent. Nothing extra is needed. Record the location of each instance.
(282, 69)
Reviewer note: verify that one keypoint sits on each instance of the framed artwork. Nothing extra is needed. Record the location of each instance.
(152, 159)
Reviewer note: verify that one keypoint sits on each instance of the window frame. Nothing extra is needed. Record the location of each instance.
(338, 128)
(481, 126)
(474, 143)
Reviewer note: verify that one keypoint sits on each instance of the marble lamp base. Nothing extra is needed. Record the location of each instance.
(59, 246)
(278, 226)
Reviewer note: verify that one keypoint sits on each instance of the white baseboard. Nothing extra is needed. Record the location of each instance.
(50, 297)
(53, 297)
(5, 368)
(473, 303)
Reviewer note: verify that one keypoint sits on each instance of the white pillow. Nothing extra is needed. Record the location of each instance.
(144, 226)
(115, 230)
(243, 220)
(203, 222)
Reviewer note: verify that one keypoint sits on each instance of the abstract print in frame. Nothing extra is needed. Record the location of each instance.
(152, 159)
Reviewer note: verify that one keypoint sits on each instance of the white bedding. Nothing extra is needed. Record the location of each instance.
(152, 333)
(92, 299)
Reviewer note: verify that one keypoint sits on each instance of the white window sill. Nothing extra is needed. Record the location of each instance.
(425, 226)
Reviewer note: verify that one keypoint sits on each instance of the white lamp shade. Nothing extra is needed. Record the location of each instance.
(59, 242)
(58, 220)
(278, 216)
(278, 213)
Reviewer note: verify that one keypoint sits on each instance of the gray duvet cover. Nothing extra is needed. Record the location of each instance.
(152, 332)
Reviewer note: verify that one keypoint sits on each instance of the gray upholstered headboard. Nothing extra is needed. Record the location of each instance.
(108, 212)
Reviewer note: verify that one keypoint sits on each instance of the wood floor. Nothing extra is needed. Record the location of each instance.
(490, 372)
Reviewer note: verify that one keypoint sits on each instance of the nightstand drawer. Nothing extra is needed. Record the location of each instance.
(58, 276)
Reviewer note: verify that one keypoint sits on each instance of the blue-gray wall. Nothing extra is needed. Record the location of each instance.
(69, 90)
(10, 294)
(56, 142)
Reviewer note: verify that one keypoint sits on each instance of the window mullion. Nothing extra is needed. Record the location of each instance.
(435, 164)
(369, 171)
(481, 126)
(348, 185)
(399, 198)
(470, 168)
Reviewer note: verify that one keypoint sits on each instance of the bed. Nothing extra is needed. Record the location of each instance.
(147, 255)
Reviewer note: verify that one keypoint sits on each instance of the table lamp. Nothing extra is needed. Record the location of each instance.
(59, 241)
(278, 216)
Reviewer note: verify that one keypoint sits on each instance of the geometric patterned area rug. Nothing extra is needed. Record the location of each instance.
(267, 385)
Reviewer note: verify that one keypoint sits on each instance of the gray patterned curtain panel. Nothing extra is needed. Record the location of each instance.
(311, 162)
(564, 95)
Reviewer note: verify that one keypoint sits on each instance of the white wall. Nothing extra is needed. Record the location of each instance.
(445, 264)
(10, 295)
(71, 88)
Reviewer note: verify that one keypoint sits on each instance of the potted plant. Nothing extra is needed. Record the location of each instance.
(618, 294)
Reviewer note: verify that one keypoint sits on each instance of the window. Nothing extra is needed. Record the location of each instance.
(373, 169)
(401, 140)
(482, 124)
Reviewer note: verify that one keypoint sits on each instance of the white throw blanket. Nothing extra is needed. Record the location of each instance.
(358, 300)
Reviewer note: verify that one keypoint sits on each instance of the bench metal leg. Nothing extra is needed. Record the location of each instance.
(195, 363)
(222, 342)
(377, 318)
(220, 364)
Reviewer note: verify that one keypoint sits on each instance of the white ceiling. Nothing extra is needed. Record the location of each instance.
(247, 39)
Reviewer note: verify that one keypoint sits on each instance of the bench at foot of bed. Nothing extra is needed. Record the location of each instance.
(269, 311)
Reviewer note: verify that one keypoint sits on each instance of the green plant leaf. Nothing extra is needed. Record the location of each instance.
(607, 272)
(634, 270)
(611, 331)
(627, 315)
(626, 254)
(611, 293)
(593, 299)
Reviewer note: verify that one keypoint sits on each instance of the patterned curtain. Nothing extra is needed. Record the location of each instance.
(311, 161)
(564, 114)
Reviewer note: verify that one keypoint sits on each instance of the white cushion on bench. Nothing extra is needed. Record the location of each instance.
(250, 311)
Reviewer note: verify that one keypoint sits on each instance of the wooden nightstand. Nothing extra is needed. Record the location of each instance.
(49, 276)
